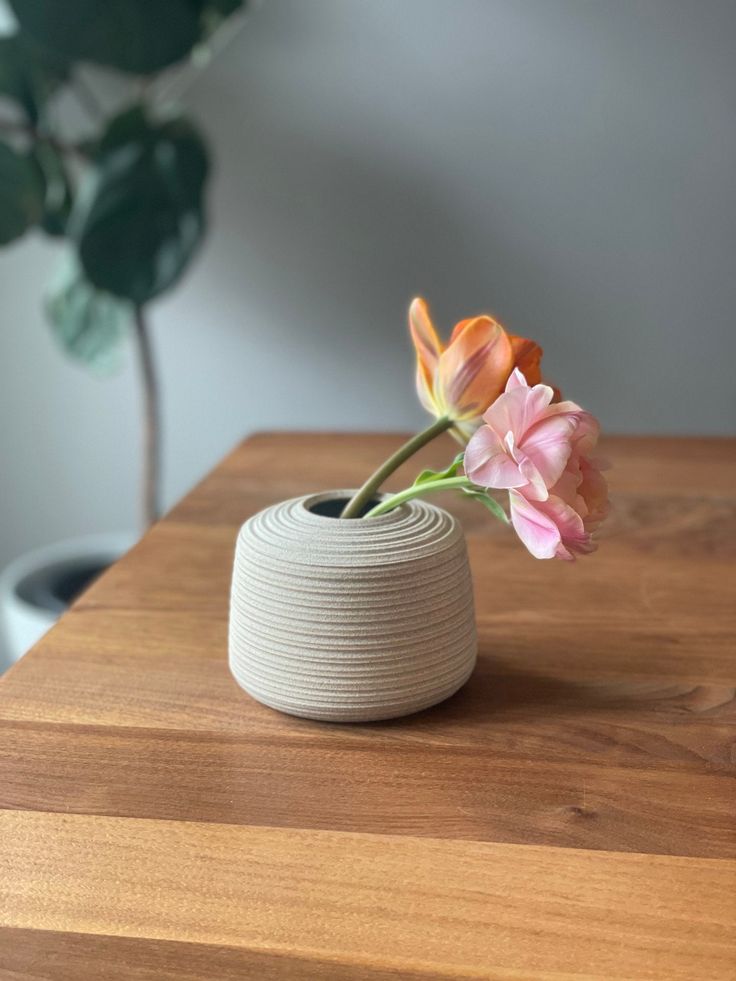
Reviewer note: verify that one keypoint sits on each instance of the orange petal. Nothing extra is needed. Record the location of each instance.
(459, 328)
(428, 347)
(527, 358)
(474, 369)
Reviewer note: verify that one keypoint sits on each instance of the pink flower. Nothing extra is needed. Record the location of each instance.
(526, 441)
(550, 529)
(539, 452)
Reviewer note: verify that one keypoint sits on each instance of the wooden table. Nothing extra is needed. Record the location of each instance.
(570, 813)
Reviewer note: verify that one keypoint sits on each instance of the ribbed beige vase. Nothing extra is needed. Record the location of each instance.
(351, 620)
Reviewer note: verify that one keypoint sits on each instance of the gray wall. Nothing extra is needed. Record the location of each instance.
(566, 164)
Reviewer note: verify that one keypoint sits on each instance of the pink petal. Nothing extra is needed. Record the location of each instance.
(517, 379)
(586, 433)
(535, 488)
(499, 473)
(536, 530)
(574, 537)
(517, 410)
(548, 446)
(549, 529)
(487, 463)
(567, 486)
(566, 408)
(483, 444)
(593, 490)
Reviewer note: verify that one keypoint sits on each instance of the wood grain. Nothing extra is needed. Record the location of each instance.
(48, 955)
(394, 901)
(571, 813)
(378, 788)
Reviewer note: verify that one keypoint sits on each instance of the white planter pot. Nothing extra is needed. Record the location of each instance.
(351, 620)
(36, 588)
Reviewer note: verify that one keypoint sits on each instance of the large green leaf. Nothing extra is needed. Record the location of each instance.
(140, 218)
(139, 36)
(28, 75)
(89, 324)
(21, 193)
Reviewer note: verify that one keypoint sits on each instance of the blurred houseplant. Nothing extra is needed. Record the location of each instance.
(126, 200)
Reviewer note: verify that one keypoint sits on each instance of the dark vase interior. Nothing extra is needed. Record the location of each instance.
(333, 507)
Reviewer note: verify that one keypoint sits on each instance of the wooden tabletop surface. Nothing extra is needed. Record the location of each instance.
(571, 813)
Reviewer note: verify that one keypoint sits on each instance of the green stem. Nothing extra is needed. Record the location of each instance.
(368, 491)
(419, 490)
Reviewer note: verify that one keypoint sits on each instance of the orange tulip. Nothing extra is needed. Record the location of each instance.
(461, 380)
(527, 358)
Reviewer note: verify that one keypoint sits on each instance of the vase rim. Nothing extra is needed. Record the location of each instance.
(308, 502)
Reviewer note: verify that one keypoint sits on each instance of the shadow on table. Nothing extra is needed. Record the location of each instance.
(498, 691)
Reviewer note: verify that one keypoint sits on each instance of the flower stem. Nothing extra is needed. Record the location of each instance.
(366, 493)
(419, 490)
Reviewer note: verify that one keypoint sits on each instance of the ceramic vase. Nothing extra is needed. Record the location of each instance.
(351, 620)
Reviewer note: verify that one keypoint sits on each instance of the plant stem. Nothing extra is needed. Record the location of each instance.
(369, 488)
(418, 490)
(177, 84)
(151, 431)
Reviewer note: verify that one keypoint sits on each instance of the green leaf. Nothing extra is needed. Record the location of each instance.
(58, 192)
(28, 75)
(89, 324)
(430, 476)
(491, 503)
(138, 36)
(140, 218)
(21, 193)
(129, 126)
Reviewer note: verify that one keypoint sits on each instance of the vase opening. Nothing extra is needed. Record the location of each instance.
(332, 507)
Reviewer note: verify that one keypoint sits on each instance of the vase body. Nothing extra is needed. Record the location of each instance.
(351, 620)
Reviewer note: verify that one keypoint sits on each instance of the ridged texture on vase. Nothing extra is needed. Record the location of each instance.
(351, 620)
